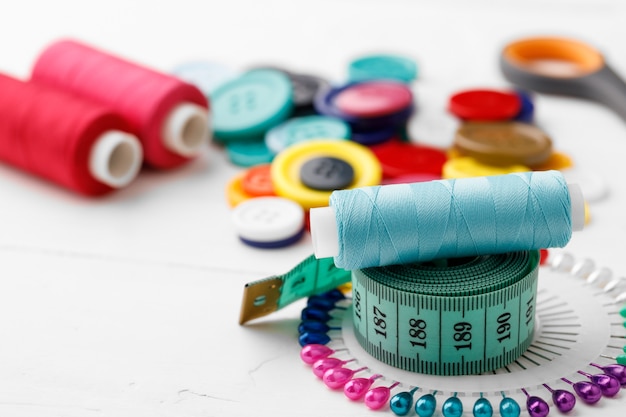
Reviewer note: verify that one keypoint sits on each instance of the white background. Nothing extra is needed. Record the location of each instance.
(127, 305)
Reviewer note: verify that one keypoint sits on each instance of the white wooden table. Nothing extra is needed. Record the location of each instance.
(128, 305)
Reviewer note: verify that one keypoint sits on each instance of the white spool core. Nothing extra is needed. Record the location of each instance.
(187, 129)
(578, 207)
(115, 158)
(324, 232)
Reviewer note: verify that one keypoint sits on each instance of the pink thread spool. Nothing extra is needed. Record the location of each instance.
(169, 116)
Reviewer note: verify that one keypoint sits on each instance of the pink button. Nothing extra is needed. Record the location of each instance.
(374, 99)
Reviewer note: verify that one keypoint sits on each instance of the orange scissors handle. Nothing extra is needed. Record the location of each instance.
(563, 66)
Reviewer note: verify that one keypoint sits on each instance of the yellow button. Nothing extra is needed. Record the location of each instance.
(453, 152)
(235, 193)
(587, 214)
(466, 166)
(557, 161)
(286, 169)
(345, 288)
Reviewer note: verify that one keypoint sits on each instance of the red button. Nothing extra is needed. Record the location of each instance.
(374, 99)
(411, 178)
(400, 159)
(485, 105)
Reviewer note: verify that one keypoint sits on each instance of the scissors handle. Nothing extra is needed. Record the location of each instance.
(610, 90)
(600, 83)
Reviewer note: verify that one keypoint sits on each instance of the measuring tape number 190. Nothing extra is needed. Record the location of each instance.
(450, 317)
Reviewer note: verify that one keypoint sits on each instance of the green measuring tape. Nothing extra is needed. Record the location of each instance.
(450, 317)
(309, 277)
(446, 317)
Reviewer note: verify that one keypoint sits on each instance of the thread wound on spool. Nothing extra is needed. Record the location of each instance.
(405, 223)
(144, 97)
(51, 134)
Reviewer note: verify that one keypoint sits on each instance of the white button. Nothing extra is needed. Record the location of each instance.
(268, 219)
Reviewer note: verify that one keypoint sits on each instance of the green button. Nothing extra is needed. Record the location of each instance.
(391, 67)
(248, 154)
(251, 104)
(301, 129)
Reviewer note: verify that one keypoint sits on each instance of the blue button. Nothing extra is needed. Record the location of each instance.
(325, 105)
(374, 137)
(527, 111)
(301, 129)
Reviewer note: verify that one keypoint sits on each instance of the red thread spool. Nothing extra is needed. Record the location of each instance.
(74, 142)
(169, 116)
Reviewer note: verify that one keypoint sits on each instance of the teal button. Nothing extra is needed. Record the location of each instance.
(301, 129)
(251, 104)
(391, 67)
(248, 154)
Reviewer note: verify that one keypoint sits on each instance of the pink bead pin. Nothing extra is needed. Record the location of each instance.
(336, 378)
(356, 388)
(377, 397)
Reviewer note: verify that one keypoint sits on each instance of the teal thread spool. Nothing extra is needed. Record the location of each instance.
(406, 223)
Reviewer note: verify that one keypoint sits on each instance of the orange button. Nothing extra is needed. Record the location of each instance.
(257, 181)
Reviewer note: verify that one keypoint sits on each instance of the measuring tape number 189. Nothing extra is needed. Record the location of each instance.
(451, 317)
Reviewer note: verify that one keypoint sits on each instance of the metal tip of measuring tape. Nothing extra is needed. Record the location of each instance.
(260, 298)
(311, 276)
